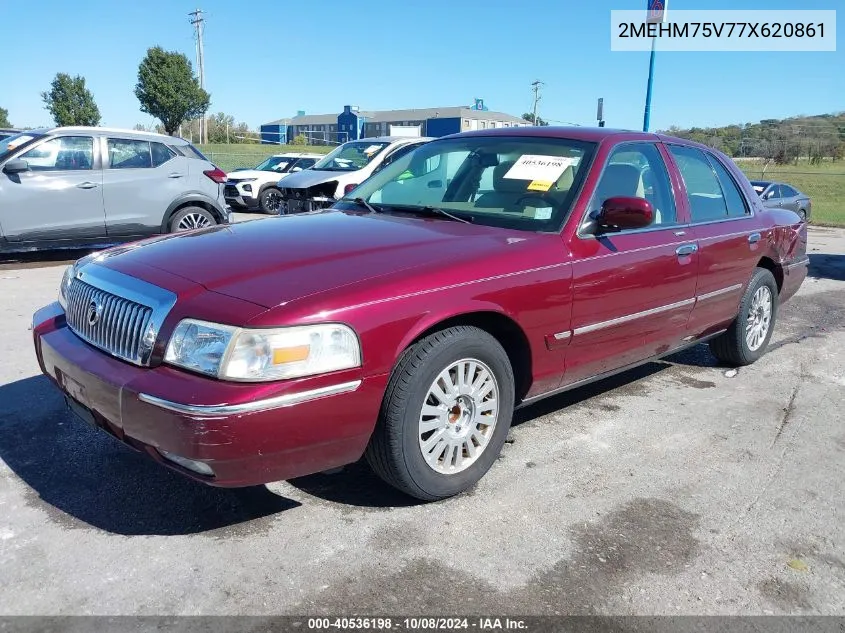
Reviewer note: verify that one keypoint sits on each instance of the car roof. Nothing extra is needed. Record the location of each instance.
(394, 139)
(110, 130)
(579, 133)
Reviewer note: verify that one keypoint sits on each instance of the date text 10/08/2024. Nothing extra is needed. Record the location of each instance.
(416, 623)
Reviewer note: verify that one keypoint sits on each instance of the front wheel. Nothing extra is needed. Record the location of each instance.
(445, 415)
(748, 336)
(270, 201)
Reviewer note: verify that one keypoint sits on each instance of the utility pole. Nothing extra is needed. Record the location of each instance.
(535, 86)
(198, 21)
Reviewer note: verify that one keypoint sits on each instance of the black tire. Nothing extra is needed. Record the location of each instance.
(394, 451)
(191, 215)
(732, 346)
(270, 201)
(802, 213)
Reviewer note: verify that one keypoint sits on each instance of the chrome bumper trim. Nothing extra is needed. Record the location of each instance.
(221, 410)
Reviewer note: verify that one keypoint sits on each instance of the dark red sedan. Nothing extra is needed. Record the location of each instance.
(475, 275)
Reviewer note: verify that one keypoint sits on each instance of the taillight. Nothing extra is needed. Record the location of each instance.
(216, 174)
(349, 188)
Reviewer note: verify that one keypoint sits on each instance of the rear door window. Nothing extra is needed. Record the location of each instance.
(128, 154)
(707, 202)
(161, 153)
(734, 199)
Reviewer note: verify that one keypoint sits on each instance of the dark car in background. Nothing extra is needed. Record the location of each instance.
(780, 195)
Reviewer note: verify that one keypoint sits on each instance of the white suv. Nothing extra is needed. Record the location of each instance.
(250, 188)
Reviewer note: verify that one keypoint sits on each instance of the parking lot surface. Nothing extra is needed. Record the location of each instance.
(678, 488)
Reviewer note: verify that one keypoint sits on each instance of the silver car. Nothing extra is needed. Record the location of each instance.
(782, 195)
(90, 186)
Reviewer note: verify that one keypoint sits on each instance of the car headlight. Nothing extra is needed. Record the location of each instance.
(64, 287)
(70, 275)
(257, 355)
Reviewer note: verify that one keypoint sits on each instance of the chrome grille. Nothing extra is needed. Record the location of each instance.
(112, 323)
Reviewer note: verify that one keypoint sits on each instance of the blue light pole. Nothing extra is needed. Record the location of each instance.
(656, 14)
(647, 112)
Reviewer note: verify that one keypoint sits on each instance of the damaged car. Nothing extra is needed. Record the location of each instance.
(341, 171)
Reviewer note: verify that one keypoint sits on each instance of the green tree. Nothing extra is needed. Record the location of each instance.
(168, 89)
(70, 102)
(300, 139)
(529, 116)
(4, 118)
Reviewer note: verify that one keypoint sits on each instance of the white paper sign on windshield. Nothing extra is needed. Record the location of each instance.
(538, 167)
(372, 149)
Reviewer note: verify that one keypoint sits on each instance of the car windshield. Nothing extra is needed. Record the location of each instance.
(515, 182)
(350, 156)
(277, 164)
(13, 142)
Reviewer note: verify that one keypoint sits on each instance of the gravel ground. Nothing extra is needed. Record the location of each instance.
(673, 489)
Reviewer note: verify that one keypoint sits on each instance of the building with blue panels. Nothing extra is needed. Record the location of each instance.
(353, 123)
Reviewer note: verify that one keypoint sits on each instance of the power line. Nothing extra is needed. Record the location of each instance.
(198, 21)
(535, 86)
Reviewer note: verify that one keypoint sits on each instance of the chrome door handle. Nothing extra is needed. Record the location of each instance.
(754, 238)
(87, 185)
(175, 175)
(686, 249)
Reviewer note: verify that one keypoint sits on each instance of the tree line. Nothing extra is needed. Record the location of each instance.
(167, 89)
(814, 138)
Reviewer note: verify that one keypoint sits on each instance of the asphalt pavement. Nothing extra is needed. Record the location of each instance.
(678, 488)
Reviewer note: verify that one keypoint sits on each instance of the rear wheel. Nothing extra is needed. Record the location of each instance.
(445, 415)
(270, 201)
(748, 336)
(190, 218)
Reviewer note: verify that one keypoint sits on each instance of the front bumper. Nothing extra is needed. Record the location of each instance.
(237, 197)
(306, 204)
(248, 434)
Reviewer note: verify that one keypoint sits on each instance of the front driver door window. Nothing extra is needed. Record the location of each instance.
(60, 197)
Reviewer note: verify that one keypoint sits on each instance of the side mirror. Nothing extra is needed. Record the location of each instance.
(16, 166)
(623, 212)
(296, 169)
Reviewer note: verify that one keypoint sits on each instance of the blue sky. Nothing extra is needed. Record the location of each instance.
(266, 59)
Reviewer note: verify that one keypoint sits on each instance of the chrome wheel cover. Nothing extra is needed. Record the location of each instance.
(759, 318)
(458, 416)
(193, 221)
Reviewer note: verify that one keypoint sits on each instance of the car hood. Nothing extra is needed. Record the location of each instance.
(310, 177)
(251, 173)
(274, 261)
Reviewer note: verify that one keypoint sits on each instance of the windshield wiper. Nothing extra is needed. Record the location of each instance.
(362, 203)
(444, 213)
